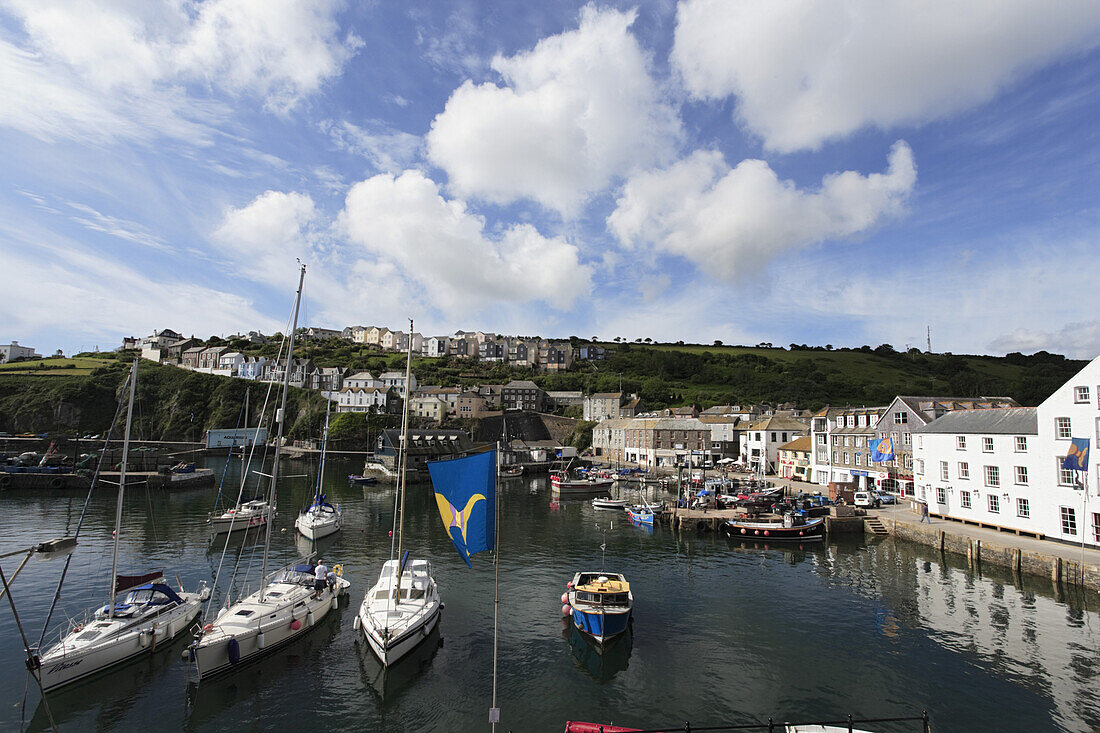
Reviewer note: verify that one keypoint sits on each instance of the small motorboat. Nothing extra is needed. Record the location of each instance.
(601, 503)
(791, 528)
(511, 471)
(640, 514)
(358, 480)
(599, 603)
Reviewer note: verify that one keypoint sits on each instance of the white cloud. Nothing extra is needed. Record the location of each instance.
(100, 71)
(444, 248)
(806, 72)
(116, 227)
(733, 222)
(1077, 340)
(578, 111)
(265, 236)
(388, 150)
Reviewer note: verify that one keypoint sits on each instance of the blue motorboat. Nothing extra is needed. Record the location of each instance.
(600, 604)
(640, 514)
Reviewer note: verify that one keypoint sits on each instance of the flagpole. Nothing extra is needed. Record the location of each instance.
(494, 712)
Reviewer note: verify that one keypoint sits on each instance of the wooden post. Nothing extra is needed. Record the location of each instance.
(1056, 570)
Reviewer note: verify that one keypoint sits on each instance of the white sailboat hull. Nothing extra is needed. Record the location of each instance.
(314, 525)
(240, 520)
(73, 659)
(394, 627)
(390, 652)
(274, 617)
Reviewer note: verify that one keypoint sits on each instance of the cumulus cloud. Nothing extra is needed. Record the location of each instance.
(436, 242)
(733, 221)
(99, 71)
(576, 112)
(806, 72)
(268, 233)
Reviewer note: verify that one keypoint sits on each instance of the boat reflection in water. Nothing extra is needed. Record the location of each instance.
(112, 695)
(389, 682)
(300, 658)
(601, 663)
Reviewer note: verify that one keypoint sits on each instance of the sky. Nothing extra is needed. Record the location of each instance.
(841, 172)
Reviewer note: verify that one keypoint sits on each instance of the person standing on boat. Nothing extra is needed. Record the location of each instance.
(320, 574)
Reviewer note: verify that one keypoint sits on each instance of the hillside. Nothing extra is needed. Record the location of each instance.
(171, 403)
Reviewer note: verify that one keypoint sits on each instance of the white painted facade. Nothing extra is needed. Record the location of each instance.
(15, 351)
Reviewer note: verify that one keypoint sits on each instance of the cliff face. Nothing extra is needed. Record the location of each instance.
(171, 403)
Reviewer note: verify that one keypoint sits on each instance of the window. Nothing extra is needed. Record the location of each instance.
(845, 456)
(1095, 527)
(943, 470)
(1023, 509)
(1021, 475)
(1069, 520)
(1065, 475)
(987, 445)
(834, 456)
(920, 441)
(908, 461)
(964, 499)
(992, 476)
(773, 437)
(1081, 394)
(1021, 444)
(847, 440)
(836, 440)
(906, 440)
(994, 504)
(941, 496)
(920, 466)
(960, 442)
(1062, 429)
(964, 470)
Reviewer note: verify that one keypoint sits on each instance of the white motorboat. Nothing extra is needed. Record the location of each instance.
(599, 503)
(253, 513)
(151, 614)
(287, 604)
(395, 624)
(403, 606)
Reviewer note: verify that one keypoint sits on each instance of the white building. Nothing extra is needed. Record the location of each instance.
(251, 367)
(840, 447)
(760, 442)
(362, 380)
(15, 351)
(1003, 467)
(436, 346)
(355, 399)
(396, 380)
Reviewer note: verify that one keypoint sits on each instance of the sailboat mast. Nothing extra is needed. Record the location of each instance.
(404, 456)
(121, 490)
(280, 418)
(324, 450)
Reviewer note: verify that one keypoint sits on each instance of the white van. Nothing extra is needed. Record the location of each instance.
(865, 499)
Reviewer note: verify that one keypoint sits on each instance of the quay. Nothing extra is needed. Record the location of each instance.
(158, 480)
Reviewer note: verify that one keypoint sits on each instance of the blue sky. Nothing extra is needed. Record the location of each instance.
(811, 172)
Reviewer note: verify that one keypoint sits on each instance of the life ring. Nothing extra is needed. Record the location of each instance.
(338, 569)
(56, 482)
(208, 628)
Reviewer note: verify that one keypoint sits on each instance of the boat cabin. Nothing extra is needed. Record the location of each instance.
(597, 588)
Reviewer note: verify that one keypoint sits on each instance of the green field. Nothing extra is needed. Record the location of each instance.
(57, 366)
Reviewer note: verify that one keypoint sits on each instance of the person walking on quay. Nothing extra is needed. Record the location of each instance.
(924, 512)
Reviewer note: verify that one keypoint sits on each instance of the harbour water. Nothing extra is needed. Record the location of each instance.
(724, 632)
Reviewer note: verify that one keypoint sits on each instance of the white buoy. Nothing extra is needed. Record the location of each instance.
(261, 642)
(356, 623)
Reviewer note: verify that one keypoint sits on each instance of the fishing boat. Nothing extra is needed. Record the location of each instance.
(403, 606)
(600, 604)
(511, 471)
(358, 480)
(640, 514)
(790, 529)
(604, 503)
(319, 518)
(150, 615)
(288, 603)
(562, 483)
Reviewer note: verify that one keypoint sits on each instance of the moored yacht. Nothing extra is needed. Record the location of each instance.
(395, 624)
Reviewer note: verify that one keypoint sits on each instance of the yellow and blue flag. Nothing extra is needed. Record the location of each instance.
(1077, 457)
(881, 450)
(465, 491)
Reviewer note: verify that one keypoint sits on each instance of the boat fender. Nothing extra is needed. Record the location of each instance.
(295, 624)
(564, 597)
(145, 636)
(800, 533)
(309, 619)
(233, 648)
(756, 531)
(569, 585)
(744, 531)
(338, 569)
(208, 628)
(335, 602)
(356, 623)
(261, 641)
(767, 532)
(566, 610)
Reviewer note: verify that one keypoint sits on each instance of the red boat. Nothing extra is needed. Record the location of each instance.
(562, 484)
(573, 726)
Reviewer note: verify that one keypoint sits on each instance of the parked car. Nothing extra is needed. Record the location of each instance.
(885, 497)
(866, 499)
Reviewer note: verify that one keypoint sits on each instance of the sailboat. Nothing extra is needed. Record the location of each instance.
(320, 519)
(246, 514)
(287, 605)
(403, 607)
(150, 615)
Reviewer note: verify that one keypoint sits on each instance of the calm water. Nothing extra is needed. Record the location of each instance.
(722, 632)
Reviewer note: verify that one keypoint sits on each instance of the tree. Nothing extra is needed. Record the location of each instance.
(717, 342)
